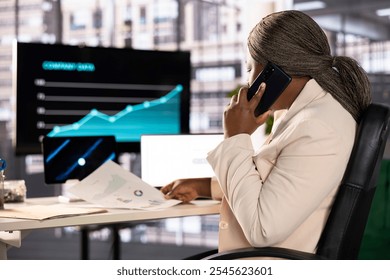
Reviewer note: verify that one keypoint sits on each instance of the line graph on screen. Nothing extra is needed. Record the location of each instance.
(130, 123)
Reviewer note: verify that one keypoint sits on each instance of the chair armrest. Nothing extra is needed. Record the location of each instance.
(265, 252)
(202, 255)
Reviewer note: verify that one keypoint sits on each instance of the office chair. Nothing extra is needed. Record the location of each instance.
(343, 232)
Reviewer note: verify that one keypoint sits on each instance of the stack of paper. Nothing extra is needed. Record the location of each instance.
(42, 212)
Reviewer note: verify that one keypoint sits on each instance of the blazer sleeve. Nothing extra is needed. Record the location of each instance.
(310, 164)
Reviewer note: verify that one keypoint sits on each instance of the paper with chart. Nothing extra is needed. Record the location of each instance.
(114, 187)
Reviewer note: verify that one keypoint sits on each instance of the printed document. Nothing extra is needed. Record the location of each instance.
(112, 186)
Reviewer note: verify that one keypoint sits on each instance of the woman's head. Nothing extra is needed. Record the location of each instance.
(295, 42)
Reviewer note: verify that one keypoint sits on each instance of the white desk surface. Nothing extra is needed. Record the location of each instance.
(198, 207)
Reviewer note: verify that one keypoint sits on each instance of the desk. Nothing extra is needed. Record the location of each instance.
(12, 231)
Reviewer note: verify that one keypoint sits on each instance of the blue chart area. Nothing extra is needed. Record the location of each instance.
(159, 116)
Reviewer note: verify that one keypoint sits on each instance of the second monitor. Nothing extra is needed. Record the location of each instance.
(165, 158)
(70, 158)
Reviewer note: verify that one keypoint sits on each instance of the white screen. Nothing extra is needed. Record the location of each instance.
(165, 158)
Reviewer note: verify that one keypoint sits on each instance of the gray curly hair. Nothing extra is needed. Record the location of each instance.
(295, 42)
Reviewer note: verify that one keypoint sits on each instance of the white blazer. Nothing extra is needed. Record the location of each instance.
(281, 194)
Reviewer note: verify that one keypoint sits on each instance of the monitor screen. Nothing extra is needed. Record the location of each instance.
(187, 155)
(69, 158)
(64, 90)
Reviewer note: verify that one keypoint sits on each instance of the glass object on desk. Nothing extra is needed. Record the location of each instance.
(3, 165)
(14, 191)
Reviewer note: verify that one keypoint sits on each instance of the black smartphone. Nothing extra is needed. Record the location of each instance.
(276, 81)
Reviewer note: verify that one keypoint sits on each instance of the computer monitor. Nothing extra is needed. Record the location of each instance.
(64, 90)
(74, 158)
(165, 158)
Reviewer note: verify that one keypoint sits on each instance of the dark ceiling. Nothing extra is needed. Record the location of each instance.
(354, 16)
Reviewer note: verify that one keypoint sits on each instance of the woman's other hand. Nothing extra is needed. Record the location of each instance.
(187, 189)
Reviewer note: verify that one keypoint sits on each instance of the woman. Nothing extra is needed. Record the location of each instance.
(281, 194)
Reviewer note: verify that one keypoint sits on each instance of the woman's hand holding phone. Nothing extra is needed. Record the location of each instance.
(239, 116)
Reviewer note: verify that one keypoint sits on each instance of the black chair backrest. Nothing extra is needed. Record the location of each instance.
(344, 229)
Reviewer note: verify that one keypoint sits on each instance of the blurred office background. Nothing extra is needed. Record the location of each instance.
(215, 32)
